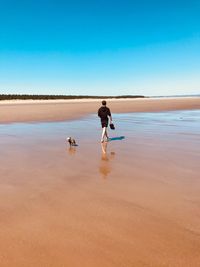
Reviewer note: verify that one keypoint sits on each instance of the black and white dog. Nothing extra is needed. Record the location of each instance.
(71, 141)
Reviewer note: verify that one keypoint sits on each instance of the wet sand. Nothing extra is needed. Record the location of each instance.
(60, 110)
(132, 202)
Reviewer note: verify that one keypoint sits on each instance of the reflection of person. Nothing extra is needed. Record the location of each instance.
(104, 113)
(105, 167)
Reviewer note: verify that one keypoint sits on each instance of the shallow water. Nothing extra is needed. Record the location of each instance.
(88, 128)
(135, 129)
(133, 201)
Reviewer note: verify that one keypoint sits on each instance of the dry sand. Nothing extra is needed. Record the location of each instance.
(23, 111)
(137, 205)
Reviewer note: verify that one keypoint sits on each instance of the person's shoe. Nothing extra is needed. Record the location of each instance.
(102, 140)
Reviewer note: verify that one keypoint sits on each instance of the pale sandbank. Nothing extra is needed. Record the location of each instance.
(60, 110)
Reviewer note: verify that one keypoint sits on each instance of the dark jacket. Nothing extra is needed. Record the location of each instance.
(103, 113)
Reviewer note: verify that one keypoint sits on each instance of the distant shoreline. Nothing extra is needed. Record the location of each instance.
(62, 110)
(90, 100)
(174, 96)
(62, 97)
(12, 98)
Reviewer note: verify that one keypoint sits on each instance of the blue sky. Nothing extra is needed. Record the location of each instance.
(100, 47)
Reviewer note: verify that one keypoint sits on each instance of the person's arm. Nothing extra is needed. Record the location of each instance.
(110, 116)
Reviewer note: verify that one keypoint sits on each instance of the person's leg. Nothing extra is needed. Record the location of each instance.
(103, 134)
(106, 134)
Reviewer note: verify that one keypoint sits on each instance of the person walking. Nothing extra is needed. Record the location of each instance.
(104, 114)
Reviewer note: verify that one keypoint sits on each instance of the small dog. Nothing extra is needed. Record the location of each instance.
(71, 141)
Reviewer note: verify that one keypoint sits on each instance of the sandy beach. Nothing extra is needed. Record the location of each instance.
(130, 202)
(85, 183)
(60, 110)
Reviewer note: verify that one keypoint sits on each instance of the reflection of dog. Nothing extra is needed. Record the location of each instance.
(71, 141)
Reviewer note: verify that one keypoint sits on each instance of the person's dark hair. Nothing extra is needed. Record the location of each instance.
(104, 102)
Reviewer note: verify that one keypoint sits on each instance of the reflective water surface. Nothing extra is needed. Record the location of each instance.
(133, 201)
(136, 129)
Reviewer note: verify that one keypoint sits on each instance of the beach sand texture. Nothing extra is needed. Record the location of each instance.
(25, 111)
(134, 202)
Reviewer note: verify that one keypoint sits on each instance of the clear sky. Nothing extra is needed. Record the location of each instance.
(105, 47)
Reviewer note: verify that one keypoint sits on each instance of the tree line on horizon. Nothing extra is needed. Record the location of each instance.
(57, 97)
